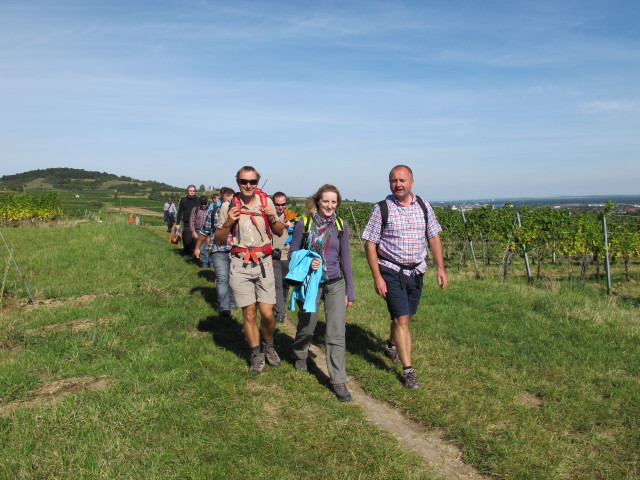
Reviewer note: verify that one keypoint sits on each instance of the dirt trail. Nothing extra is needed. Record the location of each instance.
(136, 211)
(442, 457)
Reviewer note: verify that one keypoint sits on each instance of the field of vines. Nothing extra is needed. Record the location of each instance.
(43, 207)
(557, 242)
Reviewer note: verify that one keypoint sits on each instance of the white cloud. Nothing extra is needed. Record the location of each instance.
(600, 106)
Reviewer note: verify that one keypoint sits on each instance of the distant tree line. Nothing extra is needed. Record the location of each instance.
(78, 179)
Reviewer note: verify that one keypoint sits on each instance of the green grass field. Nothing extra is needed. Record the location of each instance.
(122, 370)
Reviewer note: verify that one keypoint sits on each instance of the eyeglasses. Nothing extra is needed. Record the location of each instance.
(279, 204)
(244, 181)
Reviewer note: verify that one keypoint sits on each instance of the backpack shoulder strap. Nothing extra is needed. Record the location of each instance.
(263, 204)
(306, 224)
(426, 212)
(384, 214)
(340, 227)
(422, 204)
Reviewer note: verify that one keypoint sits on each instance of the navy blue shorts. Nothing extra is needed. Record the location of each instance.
(403, 298)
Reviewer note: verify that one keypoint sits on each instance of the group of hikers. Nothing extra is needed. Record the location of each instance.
(260, 250)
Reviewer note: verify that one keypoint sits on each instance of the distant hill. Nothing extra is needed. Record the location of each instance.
(75, 179)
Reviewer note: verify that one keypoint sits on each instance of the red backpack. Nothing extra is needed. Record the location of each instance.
(251, 251)
(263, 204)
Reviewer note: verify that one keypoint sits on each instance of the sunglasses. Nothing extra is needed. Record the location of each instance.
(244, 181)
(279, 204)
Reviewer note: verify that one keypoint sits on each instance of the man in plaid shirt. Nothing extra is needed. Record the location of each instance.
(396, 254)
(220, 256)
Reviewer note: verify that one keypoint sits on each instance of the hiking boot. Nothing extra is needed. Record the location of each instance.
(409, 379)
(256, 363)
(270, 354)
(340, 389)
(301, 365)
(392, 353)
(279, 318)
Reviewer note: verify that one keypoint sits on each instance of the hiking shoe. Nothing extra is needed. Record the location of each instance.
(392, 353)
(409, 379)
(256, 363)
(301, 365)
(280, 319)
(340, 389)
(270, 354)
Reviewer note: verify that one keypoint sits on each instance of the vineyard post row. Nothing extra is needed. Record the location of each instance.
(571, 233)
(577, 234)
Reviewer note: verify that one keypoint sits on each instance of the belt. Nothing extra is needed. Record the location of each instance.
(250, 252)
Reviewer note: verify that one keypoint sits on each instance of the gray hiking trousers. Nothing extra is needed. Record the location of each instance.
(332, 293)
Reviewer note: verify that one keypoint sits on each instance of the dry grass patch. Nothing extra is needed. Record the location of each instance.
(56, 302)
(529, 400)
(51, 392)
(74, 326)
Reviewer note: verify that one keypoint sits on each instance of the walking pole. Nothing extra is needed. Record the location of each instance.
(26, 287)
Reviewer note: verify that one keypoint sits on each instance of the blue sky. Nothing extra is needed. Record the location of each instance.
(482, 99)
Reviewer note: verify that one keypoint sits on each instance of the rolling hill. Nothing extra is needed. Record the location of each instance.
(75, 179)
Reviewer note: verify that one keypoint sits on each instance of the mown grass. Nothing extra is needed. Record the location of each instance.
(532, 382)
(180, 403)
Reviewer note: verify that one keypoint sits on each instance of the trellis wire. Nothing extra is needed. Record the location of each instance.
(26, 287)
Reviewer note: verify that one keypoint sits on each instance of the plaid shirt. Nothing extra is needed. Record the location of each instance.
(196, 219)
(403, 240)
(208, 231)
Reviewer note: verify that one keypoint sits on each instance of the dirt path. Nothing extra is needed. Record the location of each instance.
(136, 211)
(442, 457)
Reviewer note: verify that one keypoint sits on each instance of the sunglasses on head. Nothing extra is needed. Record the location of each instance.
(279, 204)
(244, 181)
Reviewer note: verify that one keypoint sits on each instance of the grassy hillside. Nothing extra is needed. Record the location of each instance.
(77, 180)
(122, 370)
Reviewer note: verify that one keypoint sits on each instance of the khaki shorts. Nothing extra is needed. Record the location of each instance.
(248, 284)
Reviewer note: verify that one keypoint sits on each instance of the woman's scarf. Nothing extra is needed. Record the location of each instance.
(319, 235)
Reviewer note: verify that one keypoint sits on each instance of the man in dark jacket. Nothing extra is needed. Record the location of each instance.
(187, 203)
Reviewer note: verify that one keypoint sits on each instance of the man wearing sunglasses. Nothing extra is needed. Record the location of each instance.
(280, 254)
(250, 218)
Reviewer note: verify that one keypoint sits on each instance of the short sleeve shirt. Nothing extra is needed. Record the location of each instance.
(403, 240)
(279, 241)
